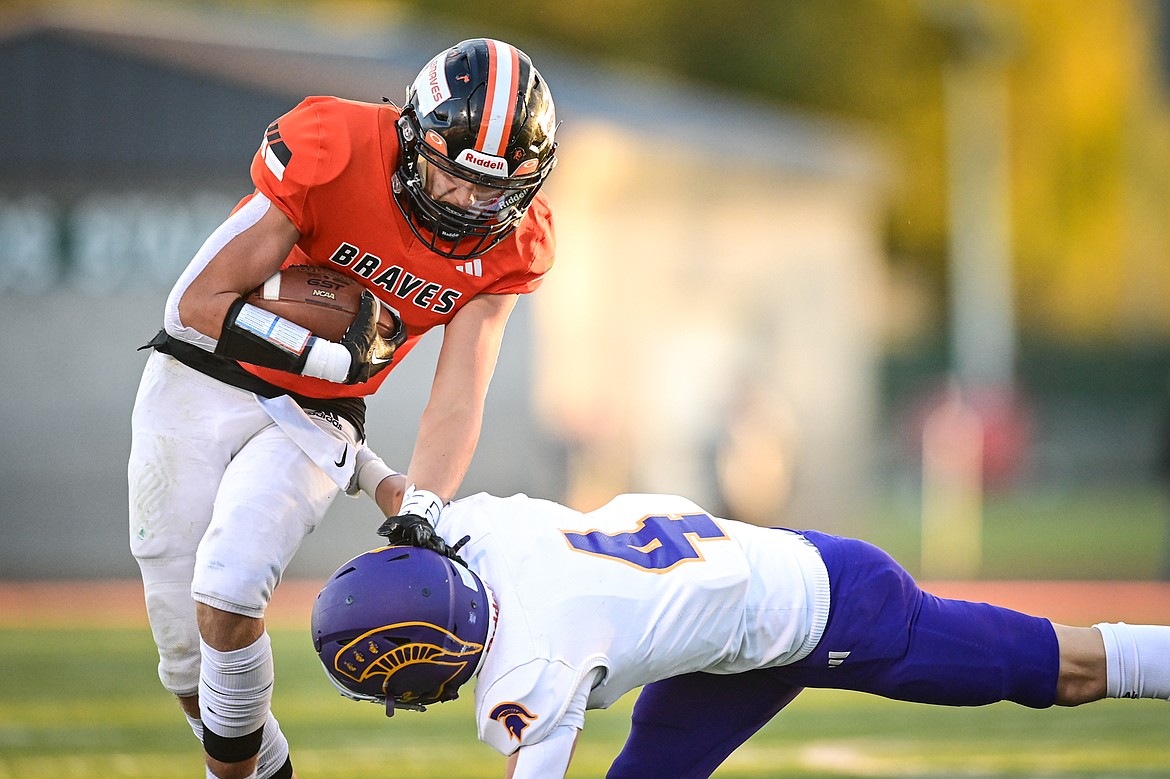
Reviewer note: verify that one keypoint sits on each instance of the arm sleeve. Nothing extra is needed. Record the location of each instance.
(535, 242)
(550, 756)
(244, 217)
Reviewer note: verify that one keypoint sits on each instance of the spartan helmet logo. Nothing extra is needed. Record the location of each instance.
(514, 717)
(416, 661)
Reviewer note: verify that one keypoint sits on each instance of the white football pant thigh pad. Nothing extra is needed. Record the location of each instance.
(248, 215)
(185, 427)
(1137, 660)
(235, 688)
(271, 496)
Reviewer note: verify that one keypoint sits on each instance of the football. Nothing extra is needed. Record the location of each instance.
(320, 299)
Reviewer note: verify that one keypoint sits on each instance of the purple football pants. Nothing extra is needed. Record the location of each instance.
(884, 636)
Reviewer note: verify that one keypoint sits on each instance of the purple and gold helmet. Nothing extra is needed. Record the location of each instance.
(403, 627)
(477, 141)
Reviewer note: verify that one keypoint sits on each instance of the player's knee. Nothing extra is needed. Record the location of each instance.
(225, 630)
(234, 589)
(172, 622)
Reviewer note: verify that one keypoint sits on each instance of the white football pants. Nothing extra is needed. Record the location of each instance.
(220, 500)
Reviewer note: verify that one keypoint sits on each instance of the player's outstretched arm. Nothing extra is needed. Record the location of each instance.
(450, 424)
(546, 759)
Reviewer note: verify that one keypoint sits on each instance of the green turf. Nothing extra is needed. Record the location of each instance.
(1117, 533)
(85, 704)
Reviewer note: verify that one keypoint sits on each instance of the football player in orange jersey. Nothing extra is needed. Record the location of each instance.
(246, 426)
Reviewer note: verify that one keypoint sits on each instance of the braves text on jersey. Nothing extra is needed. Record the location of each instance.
(327, 165)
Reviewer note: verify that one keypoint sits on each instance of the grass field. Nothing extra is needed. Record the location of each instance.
(84, 704)
(79, 697)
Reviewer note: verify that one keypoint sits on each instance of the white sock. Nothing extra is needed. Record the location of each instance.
(196, 726)
(273, 750)
(235, 695)
(1137, 659)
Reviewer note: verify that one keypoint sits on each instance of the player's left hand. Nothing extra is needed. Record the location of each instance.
(369, 353)
(413, 530)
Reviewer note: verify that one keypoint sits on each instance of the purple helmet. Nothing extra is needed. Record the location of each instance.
(402, 626)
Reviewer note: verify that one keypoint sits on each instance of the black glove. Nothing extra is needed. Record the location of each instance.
(413, 530)
(369, 352)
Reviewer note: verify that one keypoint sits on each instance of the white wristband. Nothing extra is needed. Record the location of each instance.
(369, 472)
(424, 503)
(327, 360)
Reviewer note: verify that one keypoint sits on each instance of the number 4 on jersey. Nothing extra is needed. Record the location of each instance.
(658, 544)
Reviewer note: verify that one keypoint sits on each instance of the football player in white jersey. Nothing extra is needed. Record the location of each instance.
(556, 612)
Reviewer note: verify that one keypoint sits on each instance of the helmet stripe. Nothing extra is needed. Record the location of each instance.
(500, 101)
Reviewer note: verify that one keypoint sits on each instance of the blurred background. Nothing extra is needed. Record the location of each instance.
(892, 268)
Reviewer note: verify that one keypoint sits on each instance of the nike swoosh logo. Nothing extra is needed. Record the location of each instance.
(344, 453)
(380, 360)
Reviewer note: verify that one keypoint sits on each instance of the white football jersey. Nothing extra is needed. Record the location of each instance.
(644, 588)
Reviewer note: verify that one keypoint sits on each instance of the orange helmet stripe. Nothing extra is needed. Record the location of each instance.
(500, 102)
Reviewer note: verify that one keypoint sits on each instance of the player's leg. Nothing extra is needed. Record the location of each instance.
(274, 745)
(182, 441)
(1083, 667)
(685, 727)
(271, 497)
(887, 637)
(892, 639)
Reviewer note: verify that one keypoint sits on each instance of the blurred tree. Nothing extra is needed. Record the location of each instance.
(1088, 120)
(874, 62)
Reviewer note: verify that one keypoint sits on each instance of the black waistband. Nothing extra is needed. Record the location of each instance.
(353, 410)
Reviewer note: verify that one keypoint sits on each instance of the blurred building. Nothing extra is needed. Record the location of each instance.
(710, 327)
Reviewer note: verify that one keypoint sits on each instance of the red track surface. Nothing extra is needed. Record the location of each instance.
(119, 603)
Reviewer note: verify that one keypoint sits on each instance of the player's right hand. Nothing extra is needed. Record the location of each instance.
(370, 354)
(413, 530)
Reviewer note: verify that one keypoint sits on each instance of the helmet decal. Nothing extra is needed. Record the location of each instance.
(430, 86)
(514, 717)
(500, 103)
(374, 654)
(484, 163)
(436, 141)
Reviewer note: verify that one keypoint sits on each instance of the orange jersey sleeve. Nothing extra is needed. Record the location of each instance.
(327, 164)
(301, 150)
(534, 243)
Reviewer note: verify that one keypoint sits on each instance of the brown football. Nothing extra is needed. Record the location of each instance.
(320, 299)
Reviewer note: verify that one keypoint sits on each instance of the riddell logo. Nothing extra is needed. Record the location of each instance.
(483, 162)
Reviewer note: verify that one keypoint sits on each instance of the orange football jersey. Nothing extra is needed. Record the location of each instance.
(327, 165)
